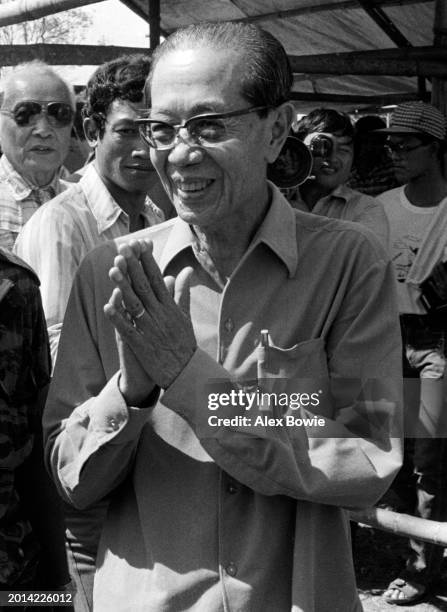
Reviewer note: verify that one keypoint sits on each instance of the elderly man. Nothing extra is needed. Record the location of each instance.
(36, 117)
(234, 508)
(110, 200)
(330, 137)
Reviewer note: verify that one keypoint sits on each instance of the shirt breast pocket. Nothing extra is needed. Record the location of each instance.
(297, 372)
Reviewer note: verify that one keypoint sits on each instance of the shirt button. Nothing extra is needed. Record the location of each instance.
(113, 423)
(231, 569)
(229, 325)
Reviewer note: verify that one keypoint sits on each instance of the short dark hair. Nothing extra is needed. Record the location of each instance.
(325, 120)
(369, 123)
(122, 79)
(267, 77)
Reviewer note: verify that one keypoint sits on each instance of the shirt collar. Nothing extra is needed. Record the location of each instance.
(277, 231)
(22, 188)
(341, 192)
(103, 206)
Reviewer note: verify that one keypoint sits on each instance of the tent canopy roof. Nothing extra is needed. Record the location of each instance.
(316, 27)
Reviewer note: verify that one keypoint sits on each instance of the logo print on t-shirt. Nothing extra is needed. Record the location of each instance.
(406, 249)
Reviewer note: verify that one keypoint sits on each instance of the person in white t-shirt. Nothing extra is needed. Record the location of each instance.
(415, 212)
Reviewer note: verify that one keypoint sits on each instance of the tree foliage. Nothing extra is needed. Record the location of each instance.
(66, 27)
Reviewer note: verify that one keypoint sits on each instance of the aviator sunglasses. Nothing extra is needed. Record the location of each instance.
(59, 114)
(205, 130)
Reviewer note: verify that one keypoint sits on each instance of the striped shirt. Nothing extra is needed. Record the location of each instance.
(63, 231)
(19, 199)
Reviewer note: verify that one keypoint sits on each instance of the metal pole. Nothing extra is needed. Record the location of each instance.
(439, 84)
(402, 525)
(154, 23)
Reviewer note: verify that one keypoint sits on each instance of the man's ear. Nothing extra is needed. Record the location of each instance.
(91, 131)
(281, 121)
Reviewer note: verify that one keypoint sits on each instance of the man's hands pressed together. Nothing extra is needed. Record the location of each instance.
(155, 337)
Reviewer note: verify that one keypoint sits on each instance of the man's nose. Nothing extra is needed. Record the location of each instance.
(140, 149)
(42, 126)
(184, 154)
(395, 154)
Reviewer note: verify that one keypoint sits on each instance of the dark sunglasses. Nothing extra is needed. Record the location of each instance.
(59, 114)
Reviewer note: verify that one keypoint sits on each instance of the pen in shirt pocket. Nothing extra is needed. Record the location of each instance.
(262, 357)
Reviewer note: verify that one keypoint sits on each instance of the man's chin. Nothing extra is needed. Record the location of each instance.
(401, 176)
(31, 168)
(200, 216)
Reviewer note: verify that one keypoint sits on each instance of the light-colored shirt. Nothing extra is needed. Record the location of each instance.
(19, 200)
(408, 226)
(349, 205)
(246, 518)
(59, 235)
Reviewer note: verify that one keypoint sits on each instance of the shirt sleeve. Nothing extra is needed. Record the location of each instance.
(88, 427)
(373, 216)
(52, 245)
(352, 460)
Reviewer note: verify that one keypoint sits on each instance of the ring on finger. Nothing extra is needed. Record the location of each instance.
(139, 314)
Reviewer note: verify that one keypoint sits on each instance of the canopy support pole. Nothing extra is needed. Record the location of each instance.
(439, 84)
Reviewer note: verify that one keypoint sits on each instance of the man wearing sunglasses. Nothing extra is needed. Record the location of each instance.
(417, 213)
(210, 508)
(36, 118)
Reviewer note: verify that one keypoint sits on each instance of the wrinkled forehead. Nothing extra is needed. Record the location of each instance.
(35, 85)
(205, 77)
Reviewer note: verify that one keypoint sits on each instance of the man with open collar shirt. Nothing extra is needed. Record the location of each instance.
(208, 514)
(330, 136)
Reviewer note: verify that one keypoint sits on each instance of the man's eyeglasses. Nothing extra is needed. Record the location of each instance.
(59, 114)
(204, 130)
(400, 149)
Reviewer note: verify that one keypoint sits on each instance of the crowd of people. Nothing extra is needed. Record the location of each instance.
(165, 270)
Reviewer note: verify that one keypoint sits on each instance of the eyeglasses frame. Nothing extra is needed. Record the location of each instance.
(177, 127)
(402, 150)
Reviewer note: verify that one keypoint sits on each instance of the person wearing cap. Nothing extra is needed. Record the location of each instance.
(325, 192)
(417, 212)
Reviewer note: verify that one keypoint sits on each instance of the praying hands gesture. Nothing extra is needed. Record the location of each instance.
(150, 314)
